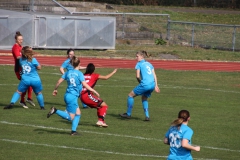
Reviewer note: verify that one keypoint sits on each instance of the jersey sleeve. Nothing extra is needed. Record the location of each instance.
(64, 76)
(35, 62)
(137, 67)
(65, 63)
(15, 52)
(188, 134)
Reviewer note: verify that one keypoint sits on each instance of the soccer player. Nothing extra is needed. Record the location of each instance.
(179, 138)
(16, 52)
(66, 65)
(29, 78)
(88, 98)
(75, 81)
(147, 79)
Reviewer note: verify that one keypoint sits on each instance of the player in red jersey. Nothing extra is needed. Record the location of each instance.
(90, 99)
(16, 52)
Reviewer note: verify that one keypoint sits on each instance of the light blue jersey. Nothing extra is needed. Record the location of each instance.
(66, 65)
(74, 80)
(175, 137)
(145, 68)
(30, 75)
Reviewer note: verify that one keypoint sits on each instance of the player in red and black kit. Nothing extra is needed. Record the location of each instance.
(16, 52)
(90, 99)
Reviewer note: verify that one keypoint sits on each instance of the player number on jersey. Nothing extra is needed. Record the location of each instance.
(149, 70)
(26, 69)
(72, 81)
(174, 140)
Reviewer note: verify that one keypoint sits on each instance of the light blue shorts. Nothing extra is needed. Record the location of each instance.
(71, 102)
(36, 85)
(145, 90)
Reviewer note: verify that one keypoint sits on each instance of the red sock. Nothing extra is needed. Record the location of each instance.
(30, 92)
(22, 97)
(101, 112)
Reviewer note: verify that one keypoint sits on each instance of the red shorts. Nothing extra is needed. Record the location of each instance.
(91, 100)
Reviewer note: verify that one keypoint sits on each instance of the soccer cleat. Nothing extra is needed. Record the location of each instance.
(74, 133)
(147, 119)
(23, 104)
(30, 101)
(101, 124)
(51, 112)
(8, 106)
(125, 115)
(42, 108)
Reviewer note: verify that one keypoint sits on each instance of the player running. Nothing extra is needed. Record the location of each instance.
(75, 81)
(88, 98)
(29, 78)
(147, 79)
(179, 138)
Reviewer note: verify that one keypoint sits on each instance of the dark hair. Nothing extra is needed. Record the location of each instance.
(90, 68)
(17, 35)
(27, 53)
(69, 50)
(74, 61)
(183, 116)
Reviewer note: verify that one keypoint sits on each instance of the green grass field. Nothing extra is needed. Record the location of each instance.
(211, 97)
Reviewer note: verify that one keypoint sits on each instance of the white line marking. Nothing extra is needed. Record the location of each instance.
(109, 134)
(90, 150)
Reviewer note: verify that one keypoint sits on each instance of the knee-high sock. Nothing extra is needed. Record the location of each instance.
(30, 92)
(23, 97)
(40, 100)
(101, 112)
(130, 102)
(145, 107)
(75, 122)
(64, 115)
(15, 97)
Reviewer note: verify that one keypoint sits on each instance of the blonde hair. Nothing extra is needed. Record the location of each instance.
(27, 53)
(183, 116)
(144, 53)
(74, 61)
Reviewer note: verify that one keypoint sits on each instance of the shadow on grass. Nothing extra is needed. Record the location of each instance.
(117, 116)
(42, 131)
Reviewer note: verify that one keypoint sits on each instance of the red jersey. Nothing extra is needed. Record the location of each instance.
(16, 52)
(91, 80)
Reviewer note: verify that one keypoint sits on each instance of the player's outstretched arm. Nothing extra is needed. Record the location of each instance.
(186, 145)
(84, 83)
(157, 89)
(57, 85)
(61, 69)
(107, 76)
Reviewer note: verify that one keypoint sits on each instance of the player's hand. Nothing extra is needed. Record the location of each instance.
(197, 148)
(115, 70)
(54, 93)
(157, 89)
(97, 94)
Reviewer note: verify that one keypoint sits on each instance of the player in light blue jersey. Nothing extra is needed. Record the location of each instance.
(66, 65)
(29, 77)
(147, 79)
(75, 81)
(179, 138)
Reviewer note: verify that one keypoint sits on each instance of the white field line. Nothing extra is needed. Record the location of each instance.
(90, 150)
(110, 134)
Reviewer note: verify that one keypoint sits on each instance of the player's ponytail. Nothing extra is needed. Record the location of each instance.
(27, 53)
(17, 35)
(74, 61)
(144, 53)
(183, 116)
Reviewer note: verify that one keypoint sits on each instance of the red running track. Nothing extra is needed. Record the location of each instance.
(124, 63)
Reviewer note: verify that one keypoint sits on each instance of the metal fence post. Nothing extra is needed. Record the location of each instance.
(234, 38)
(123, 20)
(168, 30)
(192, 42)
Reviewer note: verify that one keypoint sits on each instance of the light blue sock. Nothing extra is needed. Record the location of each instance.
(84, 105)
(145, 108)
(64, 115)
(130, 102)
(40, 100)
(75, 122)
(15, 97)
